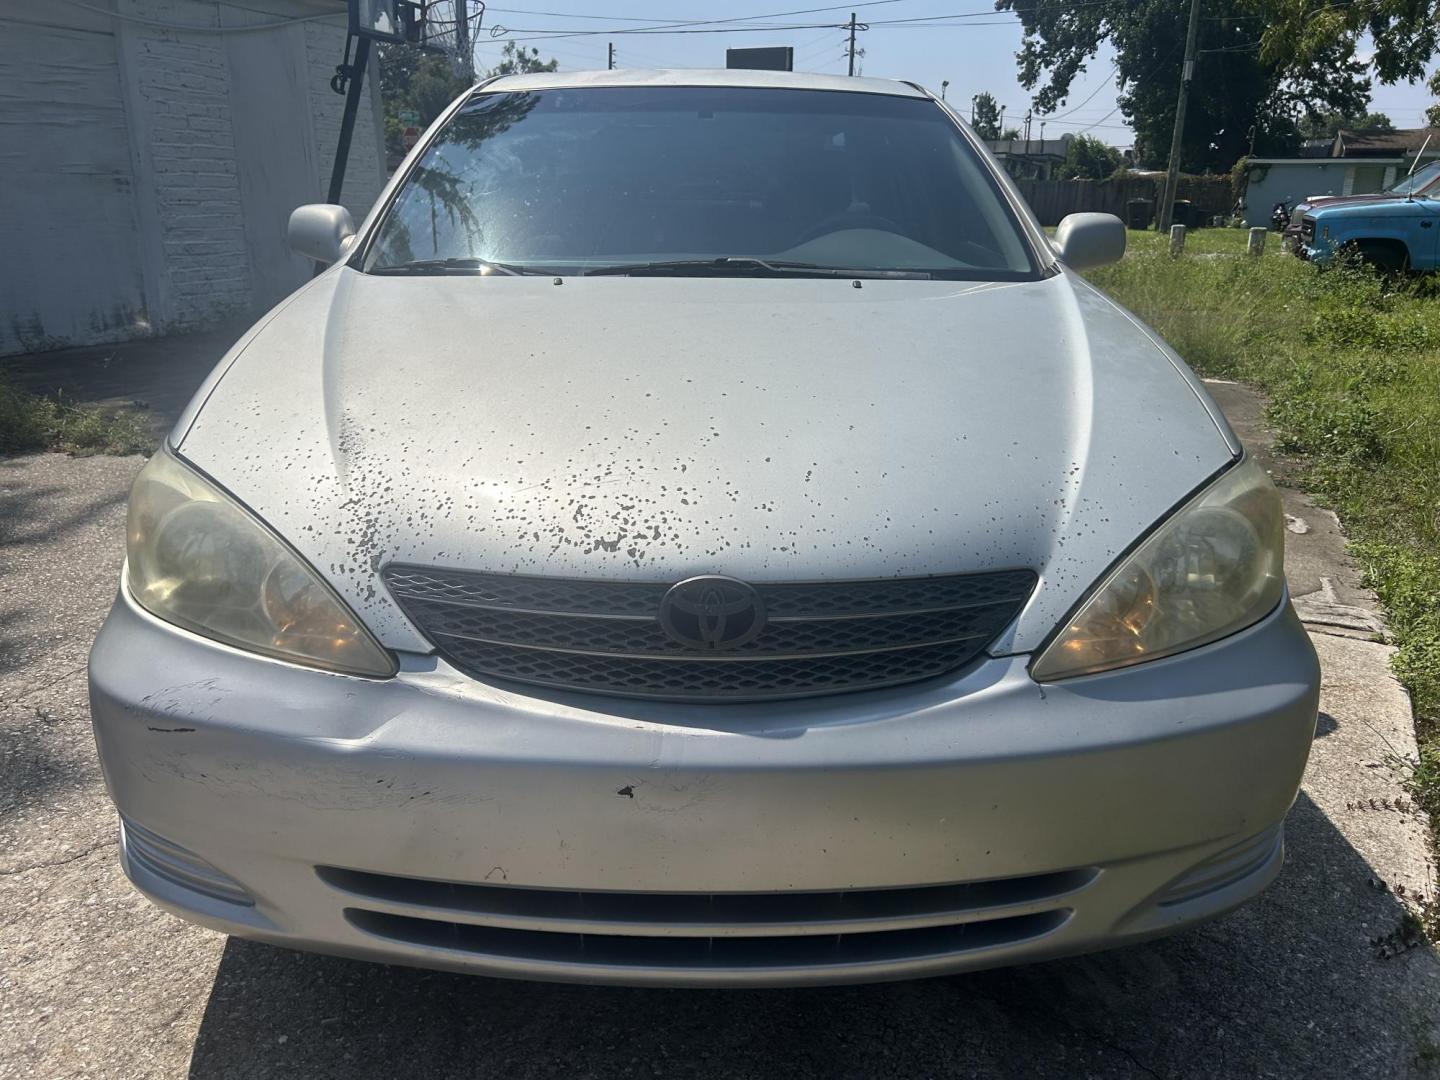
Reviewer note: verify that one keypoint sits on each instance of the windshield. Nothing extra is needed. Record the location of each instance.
(1421, 179)
(575, 180)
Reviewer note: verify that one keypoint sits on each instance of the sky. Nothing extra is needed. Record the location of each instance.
(973, 48)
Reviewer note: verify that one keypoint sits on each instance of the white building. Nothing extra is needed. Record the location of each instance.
(152, 152)
(1355, 163)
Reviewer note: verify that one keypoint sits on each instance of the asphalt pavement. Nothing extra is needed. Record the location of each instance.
(1317, 978)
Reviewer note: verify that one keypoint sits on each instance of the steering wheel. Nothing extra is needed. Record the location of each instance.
(850, 220)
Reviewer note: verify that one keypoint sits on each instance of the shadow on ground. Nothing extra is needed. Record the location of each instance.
(1289, 986)
(62, 530)
(156, 375)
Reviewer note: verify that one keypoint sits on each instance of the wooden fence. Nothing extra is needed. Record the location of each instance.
(1053, 199)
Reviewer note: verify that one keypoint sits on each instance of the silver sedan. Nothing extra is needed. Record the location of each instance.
(701, 531)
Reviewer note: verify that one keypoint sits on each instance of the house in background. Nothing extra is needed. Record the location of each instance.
(1030, 159)
(156, 150)
(1356, 163)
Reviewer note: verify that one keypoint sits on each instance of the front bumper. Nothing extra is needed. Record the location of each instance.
(430, 819)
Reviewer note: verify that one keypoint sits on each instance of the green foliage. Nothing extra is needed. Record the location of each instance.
(521, 61)
(1405, 34)
(986, 114)
(30, 423)
(425, 83)
(1237, 85)
(1314, 419)
(1088, 158)
(1329, 124)
(1407, 581)
(1351, 362)
(416, 82)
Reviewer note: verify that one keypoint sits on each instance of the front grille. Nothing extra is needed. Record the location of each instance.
(1307, 230)
(606, 637)
(692, 934)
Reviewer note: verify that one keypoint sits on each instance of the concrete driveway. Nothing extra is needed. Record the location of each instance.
(1317, 978)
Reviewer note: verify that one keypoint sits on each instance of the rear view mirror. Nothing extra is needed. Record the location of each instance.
(321, 231)
(1090, 240)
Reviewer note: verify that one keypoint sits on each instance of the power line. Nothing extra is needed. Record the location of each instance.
(700, 22)
(681, 26)
(545, 34)
(752, 23)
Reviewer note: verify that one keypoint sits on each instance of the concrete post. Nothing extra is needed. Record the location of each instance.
(1256, 245)
(1177, 239)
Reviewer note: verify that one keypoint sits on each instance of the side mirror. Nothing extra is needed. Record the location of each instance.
(321, 231)
(1090, 240)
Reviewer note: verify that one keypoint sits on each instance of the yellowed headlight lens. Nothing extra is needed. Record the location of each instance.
(1215, 567)
(197, 559)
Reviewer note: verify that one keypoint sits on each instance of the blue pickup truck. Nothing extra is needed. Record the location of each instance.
(1397, 234)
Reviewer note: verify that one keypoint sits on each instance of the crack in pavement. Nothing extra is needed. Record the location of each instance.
(1118, 1049)
(84, 853)
(43, 686)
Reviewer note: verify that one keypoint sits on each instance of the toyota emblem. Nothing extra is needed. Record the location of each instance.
(712, 613)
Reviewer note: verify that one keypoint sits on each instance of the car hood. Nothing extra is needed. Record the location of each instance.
(655, 428)
(1327, 201)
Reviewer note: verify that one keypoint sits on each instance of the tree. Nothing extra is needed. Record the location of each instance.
(1237, 84)
(1405, 33)
(424, 83)
(986, 117)
(521, 61)
(413, 81)
(1328, 125)
(1010, 133)
(1087, 158)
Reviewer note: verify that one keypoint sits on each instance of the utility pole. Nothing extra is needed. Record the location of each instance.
(462, 39)
(852, 26)
(610, 64)
(1164, 211)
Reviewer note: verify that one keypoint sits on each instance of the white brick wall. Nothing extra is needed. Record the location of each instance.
(188, 87)
(160, 164)
(181, 83)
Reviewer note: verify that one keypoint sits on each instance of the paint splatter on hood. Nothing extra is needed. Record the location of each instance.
(652, 429)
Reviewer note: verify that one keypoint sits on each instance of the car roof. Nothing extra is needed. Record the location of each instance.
(780, 80)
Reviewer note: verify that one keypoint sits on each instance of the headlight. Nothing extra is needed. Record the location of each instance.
(199, 560)
(1215, 567)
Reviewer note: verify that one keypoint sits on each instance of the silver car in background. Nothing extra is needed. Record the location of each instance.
(701, 531)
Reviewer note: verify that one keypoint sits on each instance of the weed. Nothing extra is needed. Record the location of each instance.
(31, 422)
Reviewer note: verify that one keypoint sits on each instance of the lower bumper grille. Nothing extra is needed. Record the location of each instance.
(708, 954)
(706, 932)
(607, 636)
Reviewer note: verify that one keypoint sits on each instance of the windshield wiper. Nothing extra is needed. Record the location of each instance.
(452, 266)
(729, 264)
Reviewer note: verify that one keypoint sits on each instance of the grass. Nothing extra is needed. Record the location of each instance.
(1351, 363)
(30, 423)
